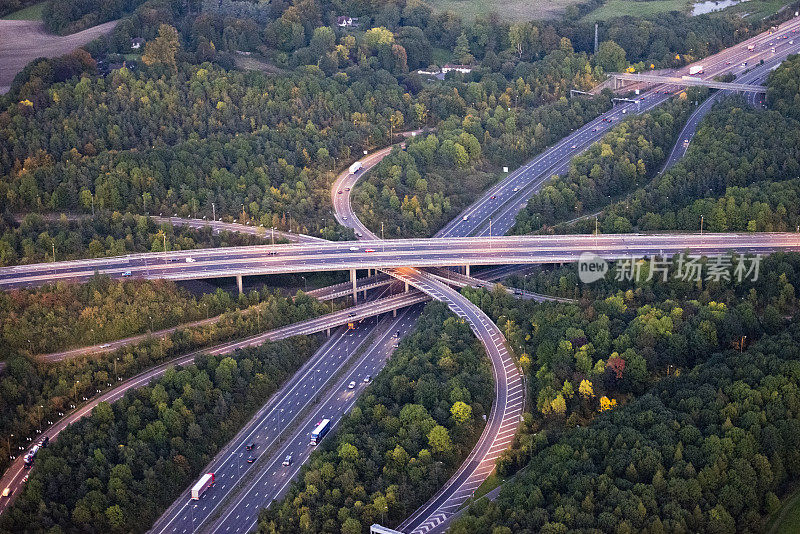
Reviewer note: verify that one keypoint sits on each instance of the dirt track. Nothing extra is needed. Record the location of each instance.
(22, 41)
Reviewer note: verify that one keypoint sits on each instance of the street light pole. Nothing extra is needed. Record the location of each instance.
(214, 212)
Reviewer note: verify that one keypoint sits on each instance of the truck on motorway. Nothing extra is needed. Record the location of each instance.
(751, 47)
(202, 485)
(355, 167)
(319, 432)
(695, 69)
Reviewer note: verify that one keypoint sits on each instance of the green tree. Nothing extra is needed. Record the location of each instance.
(611, 57)
(163, 49)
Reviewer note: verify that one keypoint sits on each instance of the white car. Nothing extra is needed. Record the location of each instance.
(288, 460)
(190, 260)
(353, 249)
(351, 385)
(465, 217)
(516, 189)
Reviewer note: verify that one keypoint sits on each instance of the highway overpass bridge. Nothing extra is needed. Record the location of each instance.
(391, 254)
(689, 81)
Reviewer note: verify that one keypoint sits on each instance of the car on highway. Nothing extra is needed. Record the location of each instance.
(516, 189)
(351, 385)
(594, 129)
(8, 492)
(351, 314)
(353, 249)
(367, 379)
(25, 479)
(288, 460)
(105, 345)
(347, 189)
(397, 334)
(574, 147)
(339, 192)
(345, 217)
(251, 459)
(624, 111)
(359, 234)
(250, 446)
(465, 217)
(494, 197)
(126, 273)
(369, 250)
(190, 260)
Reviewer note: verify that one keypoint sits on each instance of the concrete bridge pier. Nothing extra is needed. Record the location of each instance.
(353, 281)
(394, 312)
(239, 283)
(466, 270)
(406, 289)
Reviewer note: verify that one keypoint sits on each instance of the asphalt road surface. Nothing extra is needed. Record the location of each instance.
(284, 425)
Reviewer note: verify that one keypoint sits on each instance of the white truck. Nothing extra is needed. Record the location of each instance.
(202, 485)
(695, 69)
(355, 167)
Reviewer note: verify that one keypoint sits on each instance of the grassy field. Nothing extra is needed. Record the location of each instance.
(506, 9)
(757, 9)
(33, 12)
(787, 519)
(619, 8)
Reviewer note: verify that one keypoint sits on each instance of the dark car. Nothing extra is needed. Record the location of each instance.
(250, 446)
(251, 459)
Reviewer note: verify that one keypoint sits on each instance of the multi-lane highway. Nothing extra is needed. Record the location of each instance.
(282, 428)
(474, 219)
(389, 254)
(502, 202)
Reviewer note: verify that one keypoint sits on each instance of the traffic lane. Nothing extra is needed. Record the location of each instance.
(273, 419)
(433, 253)
(652, 98)
(274, 482)
(507, 405)
(13, 476)
(229, 465)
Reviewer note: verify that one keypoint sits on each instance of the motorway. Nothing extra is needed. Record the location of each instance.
(755, 76)
(785, 241)
(13, 476)
(502, 202)
(219, 226)
(277, 430)
(323, 294)
(389, 254)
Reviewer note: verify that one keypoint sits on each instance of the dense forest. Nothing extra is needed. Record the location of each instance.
(35, 239)
(623, 160)
(118, 469)
(65, 315)
(417, 191)
(26, 384)
(739, 174)
(583, 359)
(707, 451)
(401, 441)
